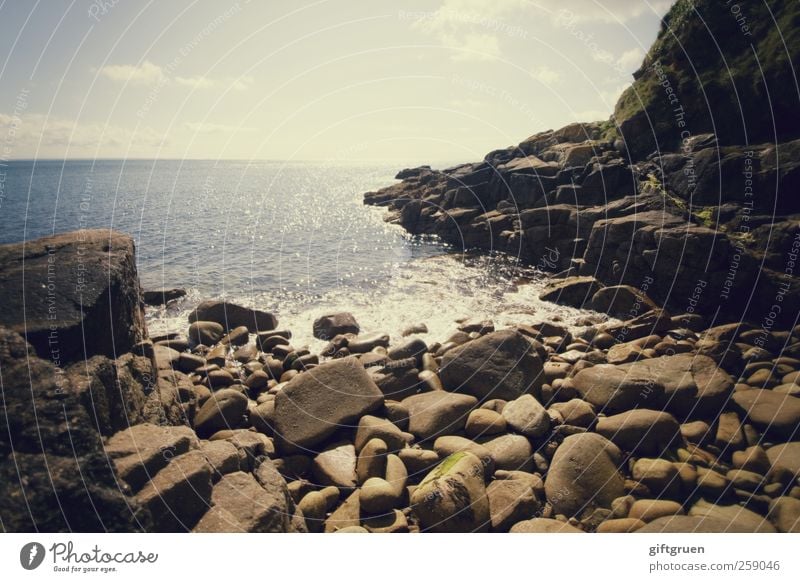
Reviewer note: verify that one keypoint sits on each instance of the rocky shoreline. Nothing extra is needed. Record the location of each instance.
(657, 423)
(680, 414)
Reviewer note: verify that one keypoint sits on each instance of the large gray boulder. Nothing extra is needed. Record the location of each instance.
(502, 365)
(73, 295)
(314, 404)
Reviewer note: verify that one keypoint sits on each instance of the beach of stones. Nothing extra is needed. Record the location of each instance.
(655, 423)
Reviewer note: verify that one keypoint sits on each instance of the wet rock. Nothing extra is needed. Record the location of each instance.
(575, 412)
(206, 333)
(314, 404)
(371, 460)
(328, 326)
(156, 297)
(231, 316)
(417, 328)
(622, 301)
(649, 510)
(785, 457)
(572, 291)
(502, 364)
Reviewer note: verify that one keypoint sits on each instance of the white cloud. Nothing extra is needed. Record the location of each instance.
(55, 136)
(145, 74)
(546, 76)
(242, 83)
(202, 127)
(198, 82)
(631, 59)
(616, 11)
(472, 27)
(150, 74)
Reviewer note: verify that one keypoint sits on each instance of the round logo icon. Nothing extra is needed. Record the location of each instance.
(31, 555)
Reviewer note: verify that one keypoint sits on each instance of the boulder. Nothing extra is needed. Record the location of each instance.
(510, 452)
(572, 291)
(336, 466)
(224, 410)
(73, 295)
(612, 389)
(527, 416)
(502, 364)
(315, 403)
(206, 333)
(646, 432)
(786, 457)
(776, 414)
(622, 301)
(328, 326)
(784, 514)
(156, 297)
(583, 475)
(452, 497)
(179, 494)
(141, 451)
(257, 503)
(433, 414)
(510, 501)
(230, 316)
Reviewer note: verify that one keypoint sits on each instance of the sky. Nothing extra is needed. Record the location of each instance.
(332, 80)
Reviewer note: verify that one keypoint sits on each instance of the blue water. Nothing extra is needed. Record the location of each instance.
(293, 238)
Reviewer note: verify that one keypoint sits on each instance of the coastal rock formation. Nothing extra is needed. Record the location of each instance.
(73, 295)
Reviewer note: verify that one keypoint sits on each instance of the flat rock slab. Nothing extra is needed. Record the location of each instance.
(314, 404)
(73, 295)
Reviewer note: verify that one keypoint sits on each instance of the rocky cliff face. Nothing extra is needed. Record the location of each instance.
(671, 195)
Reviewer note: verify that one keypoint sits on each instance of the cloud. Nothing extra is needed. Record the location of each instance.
(631, 59)
(546, 76)
(145, 74)
(202, 127)
(472, 28)
(607, 11)
(37, 134)
(198, 82)
(151, 74)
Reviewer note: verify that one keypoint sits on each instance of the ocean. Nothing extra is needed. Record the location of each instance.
(288, 237)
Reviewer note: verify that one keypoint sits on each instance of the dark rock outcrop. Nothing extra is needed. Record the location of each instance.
(73, 295)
